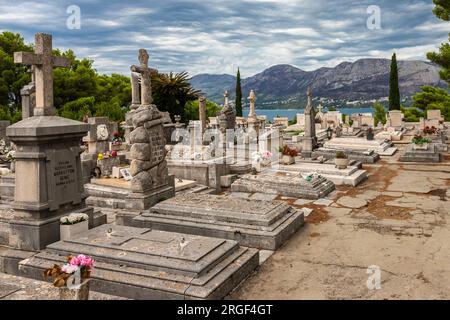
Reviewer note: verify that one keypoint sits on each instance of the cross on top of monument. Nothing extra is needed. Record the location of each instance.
(145, 73)
(43, 62)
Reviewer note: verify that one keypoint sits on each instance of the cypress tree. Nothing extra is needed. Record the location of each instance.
(238, 101)
(394, 91)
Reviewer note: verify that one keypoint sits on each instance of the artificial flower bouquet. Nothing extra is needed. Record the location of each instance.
(74, 218)
(81, 265)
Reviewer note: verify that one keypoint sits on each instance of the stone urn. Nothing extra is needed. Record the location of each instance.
(287, 160)
(68, 231)
(78, 292)
(341, 163)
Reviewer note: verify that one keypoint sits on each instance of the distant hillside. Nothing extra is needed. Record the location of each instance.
(365, 79)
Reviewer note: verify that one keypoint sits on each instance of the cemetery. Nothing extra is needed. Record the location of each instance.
(220, 207)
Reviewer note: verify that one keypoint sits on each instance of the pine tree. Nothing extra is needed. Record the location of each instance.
(394, 91)
(442, 58)
(238, 102)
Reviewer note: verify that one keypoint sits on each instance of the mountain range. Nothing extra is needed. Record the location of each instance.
(348, 83)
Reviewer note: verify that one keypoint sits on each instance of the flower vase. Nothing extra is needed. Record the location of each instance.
(423, 146)
(80, 292)
(68, 231)
(287, 160)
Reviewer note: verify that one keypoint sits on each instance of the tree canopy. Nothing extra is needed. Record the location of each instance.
(394, 91)
(238, 102)
(80, 90)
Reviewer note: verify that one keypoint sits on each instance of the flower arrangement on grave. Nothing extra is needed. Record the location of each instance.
(116, 140)
(341, 160)
(341, 155)
(262, 157)
(287, 151)
(81, 264)
(74, 218)
(419, 140)
(107, 155)
(430, 130)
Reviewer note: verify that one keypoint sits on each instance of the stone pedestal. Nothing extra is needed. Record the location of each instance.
(48, 182)
(145, 200)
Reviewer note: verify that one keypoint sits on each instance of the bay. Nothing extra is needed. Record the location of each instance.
(292, 113)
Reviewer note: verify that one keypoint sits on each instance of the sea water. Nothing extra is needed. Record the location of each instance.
(292, 113)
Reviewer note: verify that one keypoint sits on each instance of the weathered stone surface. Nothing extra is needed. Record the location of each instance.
(351, 202)
(140, 263)
(138, 166)
(430, 153)
(141, 116)
(351, 176)
(140, 151)
(139, 135)
(259, 224)
(285, 184)
(141, 182)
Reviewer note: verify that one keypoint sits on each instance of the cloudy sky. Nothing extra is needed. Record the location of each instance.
(214, 36)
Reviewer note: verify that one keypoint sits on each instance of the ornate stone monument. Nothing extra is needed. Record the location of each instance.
(48, 169)
(253, 121)
(310, 138)
(227, 116)
(151, 182)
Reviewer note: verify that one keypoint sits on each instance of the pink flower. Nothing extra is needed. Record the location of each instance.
(74, 261)
(68, 268)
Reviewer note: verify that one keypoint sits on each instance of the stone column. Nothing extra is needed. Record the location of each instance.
(310, 138)
(202, 112)
(135, 91)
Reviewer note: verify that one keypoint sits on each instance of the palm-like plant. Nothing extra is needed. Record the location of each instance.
(171, 91)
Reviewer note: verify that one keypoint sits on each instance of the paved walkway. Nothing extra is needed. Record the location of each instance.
(397, 221)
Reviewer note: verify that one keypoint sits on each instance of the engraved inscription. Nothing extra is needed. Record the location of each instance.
(64, 173)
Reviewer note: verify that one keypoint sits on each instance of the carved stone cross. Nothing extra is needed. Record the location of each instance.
(145, 72)
(43, 62)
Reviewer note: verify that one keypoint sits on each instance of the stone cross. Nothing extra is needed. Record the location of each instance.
(43, 62)
(252, 99)
(202, 112)
(145, 72)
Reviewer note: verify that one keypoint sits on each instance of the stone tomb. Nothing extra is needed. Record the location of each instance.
(350, 176)
(383, 148)
(259, 224)
(284, 184)
(140, 263)
(364, 156)
(426, 153)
